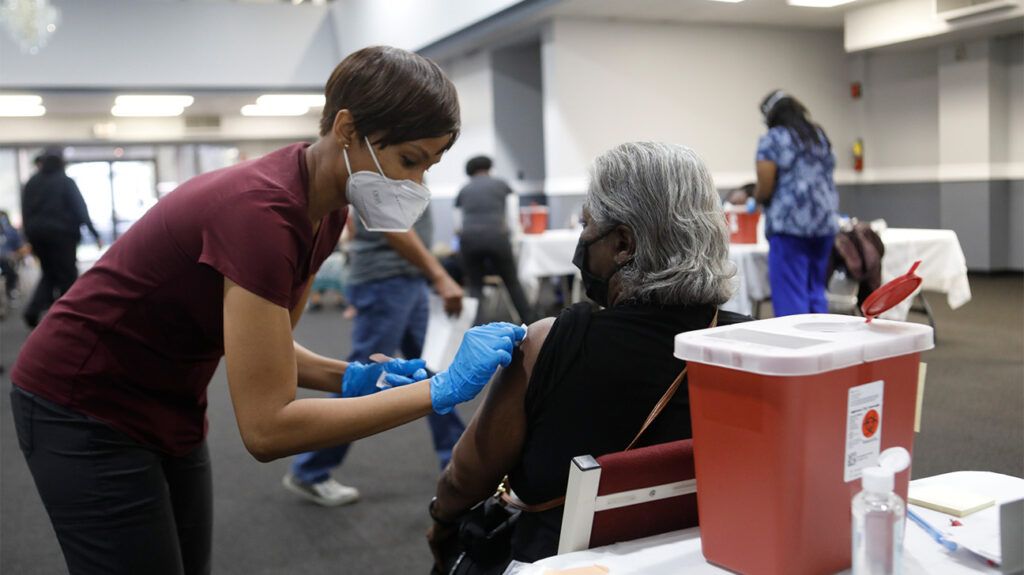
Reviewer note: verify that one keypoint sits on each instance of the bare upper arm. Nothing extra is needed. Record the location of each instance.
(766, 172)
(493, 442)
(260, 357)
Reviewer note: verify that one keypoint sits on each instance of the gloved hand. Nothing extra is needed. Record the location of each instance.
(361, 378)
(483, 349)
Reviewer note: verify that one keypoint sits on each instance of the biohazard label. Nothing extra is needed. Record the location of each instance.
(863, 428)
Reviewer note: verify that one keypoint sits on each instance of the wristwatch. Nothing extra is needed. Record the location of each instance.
(438, 520)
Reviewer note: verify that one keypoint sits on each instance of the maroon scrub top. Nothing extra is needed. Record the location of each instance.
(136, 340)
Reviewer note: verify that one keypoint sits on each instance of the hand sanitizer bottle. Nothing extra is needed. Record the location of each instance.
(879, 516)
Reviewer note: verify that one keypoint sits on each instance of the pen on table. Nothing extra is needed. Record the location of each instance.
(941, 539)
(931, 531)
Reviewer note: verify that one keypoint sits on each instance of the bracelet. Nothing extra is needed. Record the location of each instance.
(438, 520)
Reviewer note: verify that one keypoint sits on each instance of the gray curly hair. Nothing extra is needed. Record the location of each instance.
(664, 193)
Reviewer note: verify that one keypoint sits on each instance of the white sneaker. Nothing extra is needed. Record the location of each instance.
(328, 493)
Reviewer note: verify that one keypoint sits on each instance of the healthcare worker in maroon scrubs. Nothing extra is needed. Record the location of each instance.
(109, 393)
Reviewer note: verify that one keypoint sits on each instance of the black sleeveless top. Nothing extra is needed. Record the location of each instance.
(596, 379)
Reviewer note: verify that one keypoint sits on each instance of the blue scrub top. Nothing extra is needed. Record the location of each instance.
(805, 202)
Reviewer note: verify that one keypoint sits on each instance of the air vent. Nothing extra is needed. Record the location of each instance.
(202, 122)
(953, 9)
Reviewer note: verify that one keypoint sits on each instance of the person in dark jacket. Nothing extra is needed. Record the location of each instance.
(53, 212)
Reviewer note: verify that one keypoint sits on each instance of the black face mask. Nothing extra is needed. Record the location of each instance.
(596, 287)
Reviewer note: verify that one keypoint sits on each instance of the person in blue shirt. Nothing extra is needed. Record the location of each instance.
(11, 246)
(795, 166)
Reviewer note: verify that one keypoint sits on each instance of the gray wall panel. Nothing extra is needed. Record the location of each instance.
(912, 205)
(519, 111)
(444, 226)
(999, 225)
(1015, 210)
(563, 209)
(965, 209)
(987, 216)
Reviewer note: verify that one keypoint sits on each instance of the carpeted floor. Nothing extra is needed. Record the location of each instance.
(973, 419)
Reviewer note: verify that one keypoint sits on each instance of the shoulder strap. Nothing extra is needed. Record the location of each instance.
(658, 407)
(505, 489)
(669, 393)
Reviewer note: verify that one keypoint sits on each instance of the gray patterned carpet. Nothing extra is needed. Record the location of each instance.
(973, 419)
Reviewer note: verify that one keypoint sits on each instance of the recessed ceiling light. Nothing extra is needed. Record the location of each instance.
(307, 100)
(283, 105)
(818, 3)
(21, 105)
(274, 110)
(728, 1)
(150, 105)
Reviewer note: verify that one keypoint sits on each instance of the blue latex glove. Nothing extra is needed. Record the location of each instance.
(361, 378)
(483, 349)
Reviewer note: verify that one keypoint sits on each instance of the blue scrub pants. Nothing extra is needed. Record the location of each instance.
(391, 316)
(796, 271)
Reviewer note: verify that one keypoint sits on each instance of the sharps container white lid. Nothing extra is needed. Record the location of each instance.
(802, 344)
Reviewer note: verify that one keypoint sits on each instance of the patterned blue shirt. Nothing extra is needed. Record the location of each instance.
(805, 202)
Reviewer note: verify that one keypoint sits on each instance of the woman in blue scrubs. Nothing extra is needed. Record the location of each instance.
(795, 165)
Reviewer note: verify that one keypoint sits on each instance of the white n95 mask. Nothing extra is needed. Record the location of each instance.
(383, 204)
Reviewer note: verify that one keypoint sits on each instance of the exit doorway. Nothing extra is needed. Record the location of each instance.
(116, 192)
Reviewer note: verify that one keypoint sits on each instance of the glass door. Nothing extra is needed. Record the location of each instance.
(117, 192)
(93, 180)
(133, 184)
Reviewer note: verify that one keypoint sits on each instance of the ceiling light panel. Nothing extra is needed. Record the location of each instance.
(818, 3)
(296, 100)
(274, 110)
(21, 105)
(151, 105)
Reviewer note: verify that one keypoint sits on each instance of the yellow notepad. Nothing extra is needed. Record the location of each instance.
(948, 500)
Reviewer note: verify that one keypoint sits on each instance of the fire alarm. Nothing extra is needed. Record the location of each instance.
(855, 90)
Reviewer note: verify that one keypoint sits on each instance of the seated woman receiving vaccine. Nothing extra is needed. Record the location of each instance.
(654, 254)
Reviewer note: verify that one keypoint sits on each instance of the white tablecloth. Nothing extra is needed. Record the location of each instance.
(943, 268)
(546, 255)
(679, 551)
(751, 281)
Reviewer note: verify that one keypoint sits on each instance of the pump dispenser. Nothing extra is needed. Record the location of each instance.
(879, 516)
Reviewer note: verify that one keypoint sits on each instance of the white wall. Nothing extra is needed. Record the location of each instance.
(878, 24)
(125, 43)
(899, 111)
(699, 85)
(409, 24)
(474, 80)
(964, 104)
(1012, 49)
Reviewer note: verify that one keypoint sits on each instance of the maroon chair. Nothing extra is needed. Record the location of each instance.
(628, 495)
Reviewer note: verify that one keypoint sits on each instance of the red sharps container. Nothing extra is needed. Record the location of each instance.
(786, 413)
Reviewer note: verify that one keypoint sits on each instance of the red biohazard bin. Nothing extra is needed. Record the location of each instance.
(742, 226)
(786, 413)
(534, 219)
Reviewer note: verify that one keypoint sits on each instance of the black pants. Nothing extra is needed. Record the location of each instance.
(9, 270)
(117, 507)
(481, 249)
(58, 260)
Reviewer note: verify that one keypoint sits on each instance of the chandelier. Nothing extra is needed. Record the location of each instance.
(29, 22)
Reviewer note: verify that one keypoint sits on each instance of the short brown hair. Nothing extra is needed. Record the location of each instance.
(394, 92)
